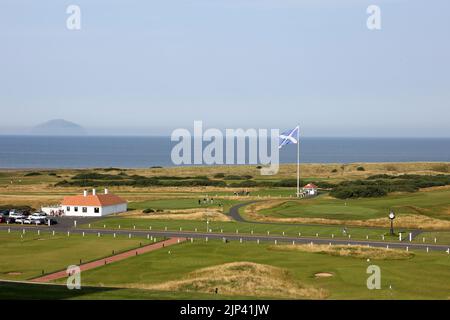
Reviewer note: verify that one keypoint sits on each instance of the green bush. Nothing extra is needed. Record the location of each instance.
(360, 169)
(148, 210)
(358, 192)
(31, 174)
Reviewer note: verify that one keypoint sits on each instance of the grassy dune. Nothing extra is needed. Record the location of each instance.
(243, 278)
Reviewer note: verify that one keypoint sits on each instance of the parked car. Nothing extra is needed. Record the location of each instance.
(16, 215)
(4, 213)
(20, 220)
(10, 220)
(51, 220)
(2, 219)
(38, 216)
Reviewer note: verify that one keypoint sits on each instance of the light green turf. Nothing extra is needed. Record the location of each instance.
(29, 254)
(431, 203)
(441, 237)
(425, 276)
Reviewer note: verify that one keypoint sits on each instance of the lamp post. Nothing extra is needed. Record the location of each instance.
(392, 217)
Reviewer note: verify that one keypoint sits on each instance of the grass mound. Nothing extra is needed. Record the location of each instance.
(244, 278)
(354, 251)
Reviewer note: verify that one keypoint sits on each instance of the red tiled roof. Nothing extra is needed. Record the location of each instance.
(310, 186)
(99, 200)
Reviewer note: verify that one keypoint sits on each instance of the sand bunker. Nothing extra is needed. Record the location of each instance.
(323, 275)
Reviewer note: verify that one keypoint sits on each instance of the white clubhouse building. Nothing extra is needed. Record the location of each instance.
(93, 205)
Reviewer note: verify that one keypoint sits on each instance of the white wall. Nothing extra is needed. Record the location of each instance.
(91, 213)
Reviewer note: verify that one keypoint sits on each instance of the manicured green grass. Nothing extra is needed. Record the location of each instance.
(425, 276)
(441, 237)
(29, 254)
(233, 227)
(29, 291)
(431, 203)
(183, 203)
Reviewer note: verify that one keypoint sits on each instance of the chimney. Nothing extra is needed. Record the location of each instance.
(93, 192)
(85, 193)
(106, 191)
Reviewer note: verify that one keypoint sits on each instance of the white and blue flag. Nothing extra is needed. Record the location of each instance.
(289, 137)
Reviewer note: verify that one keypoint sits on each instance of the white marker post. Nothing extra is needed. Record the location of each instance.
(75, 223)
(410, 236)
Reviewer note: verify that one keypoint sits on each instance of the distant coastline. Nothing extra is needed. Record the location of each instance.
(59, 152)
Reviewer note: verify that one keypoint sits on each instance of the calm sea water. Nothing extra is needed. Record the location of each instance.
(141, 152)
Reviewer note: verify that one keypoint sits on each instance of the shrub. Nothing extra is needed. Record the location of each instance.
(219, 175)
(358, 192)
(334, 170)
(360, 169)
(148, 210)
(31, 174)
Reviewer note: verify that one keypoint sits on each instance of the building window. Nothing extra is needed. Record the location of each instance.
(75, 209)
(68, 209)
(96, 210)
(84, 209)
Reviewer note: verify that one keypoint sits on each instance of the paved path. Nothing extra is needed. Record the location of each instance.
(114, 258)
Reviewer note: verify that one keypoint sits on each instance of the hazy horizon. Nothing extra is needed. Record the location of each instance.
(148, 68)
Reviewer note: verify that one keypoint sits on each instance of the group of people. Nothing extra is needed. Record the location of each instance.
(242, 193)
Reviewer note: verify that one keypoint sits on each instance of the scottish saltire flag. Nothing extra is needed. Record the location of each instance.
(289, 137)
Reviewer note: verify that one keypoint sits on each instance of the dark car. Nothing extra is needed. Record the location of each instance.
(51, 220)
(2, 219)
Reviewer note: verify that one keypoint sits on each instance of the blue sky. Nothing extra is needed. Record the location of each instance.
(139, 67)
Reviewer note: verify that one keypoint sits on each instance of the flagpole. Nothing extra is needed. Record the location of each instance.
(298, 161)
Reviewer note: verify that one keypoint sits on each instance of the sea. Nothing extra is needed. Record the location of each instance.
(149, 151)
